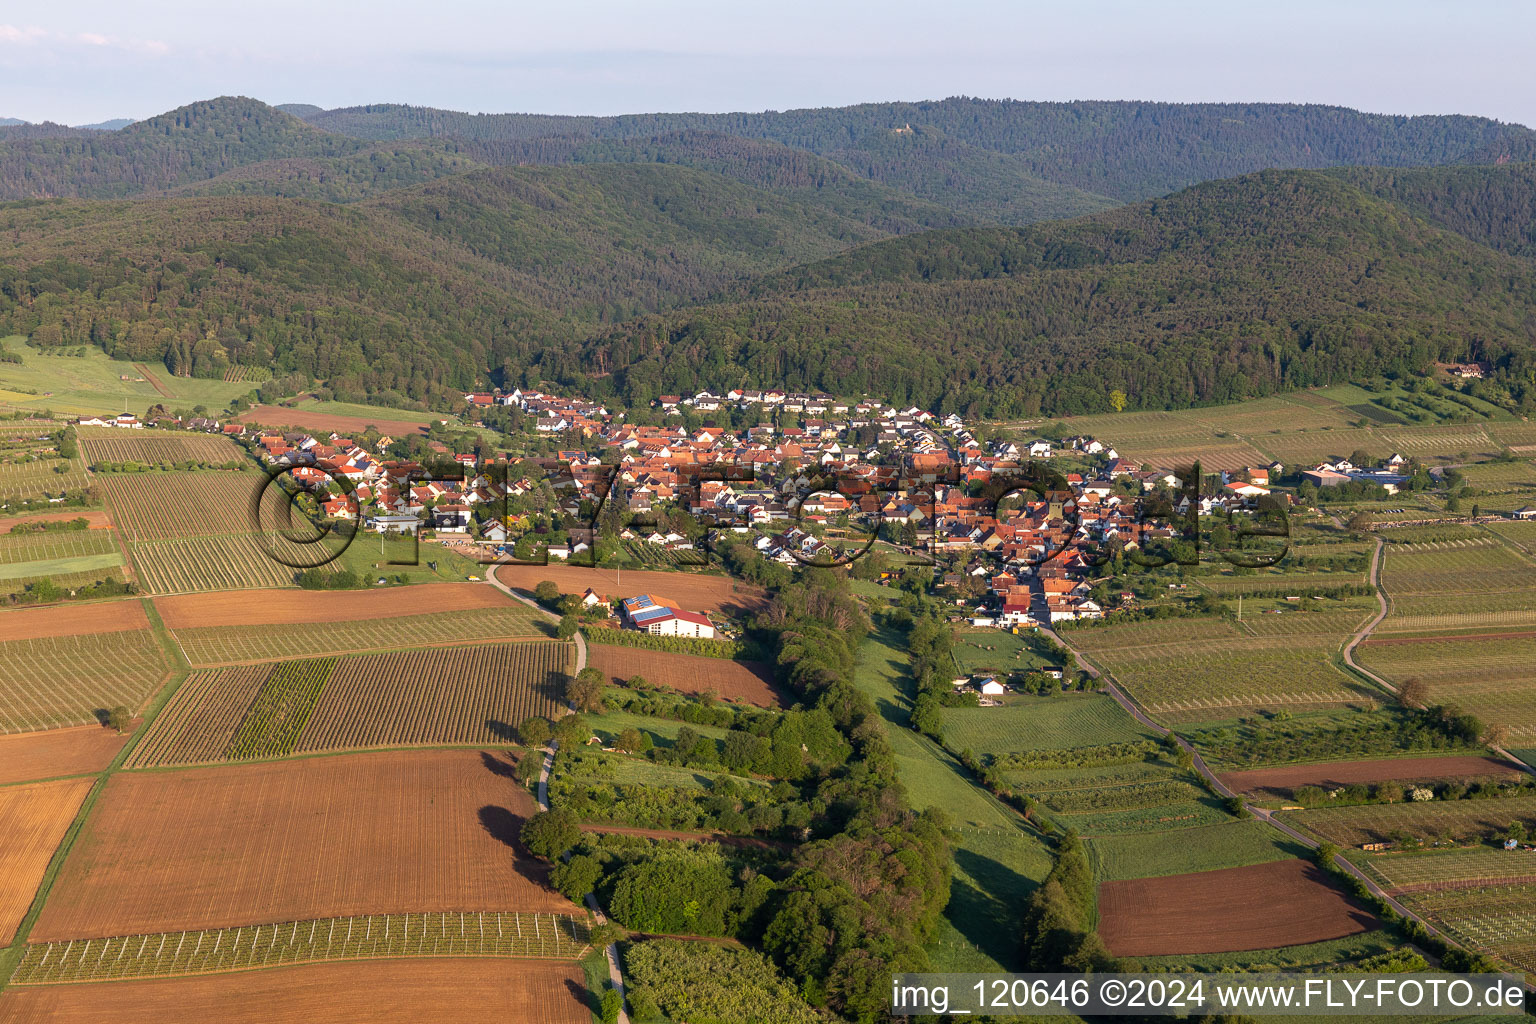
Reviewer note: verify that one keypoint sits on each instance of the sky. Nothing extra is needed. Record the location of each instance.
(81, 61)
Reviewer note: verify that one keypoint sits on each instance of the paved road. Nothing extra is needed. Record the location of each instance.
(581, 641)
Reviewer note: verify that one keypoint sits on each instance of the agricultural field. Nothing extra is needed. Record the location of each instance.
(82, 380)
(1433, 870)
(30, 463)
(471, 696)
(335, 417)
(153, 447)
(1428, 821)
(1187, 670)
(979, 651)
(368, 937)
(1499, 920)
(1042, 723)
(1491, 675)
(1472, 583)
(249, 844)
(175, 505)
(1256, 907)
(749, 681)
(33, 819)
(232, 628)
(1282, 779)
(693, 591)
(1188, 850)
(239, 561)
(65, 664)
(465, 991)
(58, 752)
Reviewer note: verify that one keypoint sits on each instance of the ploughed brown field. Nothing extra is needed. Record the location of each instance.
(72, 620)
(359, 992)
(1283, 903)
(33, 819)
(1282, 779)
(56, 752)
(298, 419)
(750, 681)
(291, 840)
(283, 607)
(689, 591)
(97, 517)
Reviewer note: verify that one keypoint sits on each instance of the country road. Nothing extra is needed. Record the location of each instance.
(581, 641)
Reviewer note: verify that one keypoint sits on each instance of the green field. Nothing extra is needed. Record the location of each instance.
(979, 651)
(1182, 851)
(92, 383)
(663, 731)
(1042, 723)
(1332, 953)
(997, 860)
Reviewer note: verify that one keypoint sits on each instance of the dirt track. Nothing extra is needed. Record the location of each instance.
(361, 992)
(56, 752)
(1284, 903)
(1282, 779)
(282, 607)
(290, 840)
(72, 620)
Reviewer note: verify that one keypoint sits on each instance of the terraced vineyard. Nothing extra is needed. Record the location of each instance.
(471, 696)
(225, 645)
(48, 682)
(168, 954)
(108, 444)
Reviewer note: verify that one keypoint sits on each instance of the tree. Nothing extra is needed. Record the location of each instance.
(567, 628)
(577, 876)
(584, 692)
(1413, 693)
(571, 731)
(546, 591)
(1497, 735)
(629, 740)
(610, 1005)
(534, 732)
(119, 718)
(1117, 400)
(548, 834)
(1360, 521)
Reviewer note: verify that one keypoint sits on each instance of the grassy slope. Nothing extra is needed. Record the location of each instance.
(998, 862)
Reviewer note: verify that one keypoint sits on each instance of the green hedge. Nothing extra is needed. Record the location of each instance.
(728, 649)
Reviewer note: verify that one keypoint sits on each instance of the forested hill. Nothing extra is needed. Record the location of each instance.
(1127, 150)
(1230, 289)
(1495, 205)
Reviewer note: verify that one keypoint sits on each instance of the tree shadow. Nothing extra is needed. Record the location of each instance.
(499, 764)
(546, 627)
(501, 730)
(985, 918)
(583, 995)
(505, 827)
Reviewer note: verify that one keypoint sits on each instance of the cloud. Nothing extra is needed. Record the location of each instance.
(32, 35)
(21, 36)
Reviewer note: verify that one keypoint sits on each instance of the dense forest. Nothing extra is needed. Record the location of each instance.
(1126, 150)
(629, 257)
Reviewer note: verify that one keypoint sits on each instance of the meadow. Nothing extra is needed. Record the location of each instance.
(87, 382)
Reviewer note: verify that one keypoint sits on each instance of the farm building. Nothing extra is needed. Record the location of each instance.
(658, 619)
